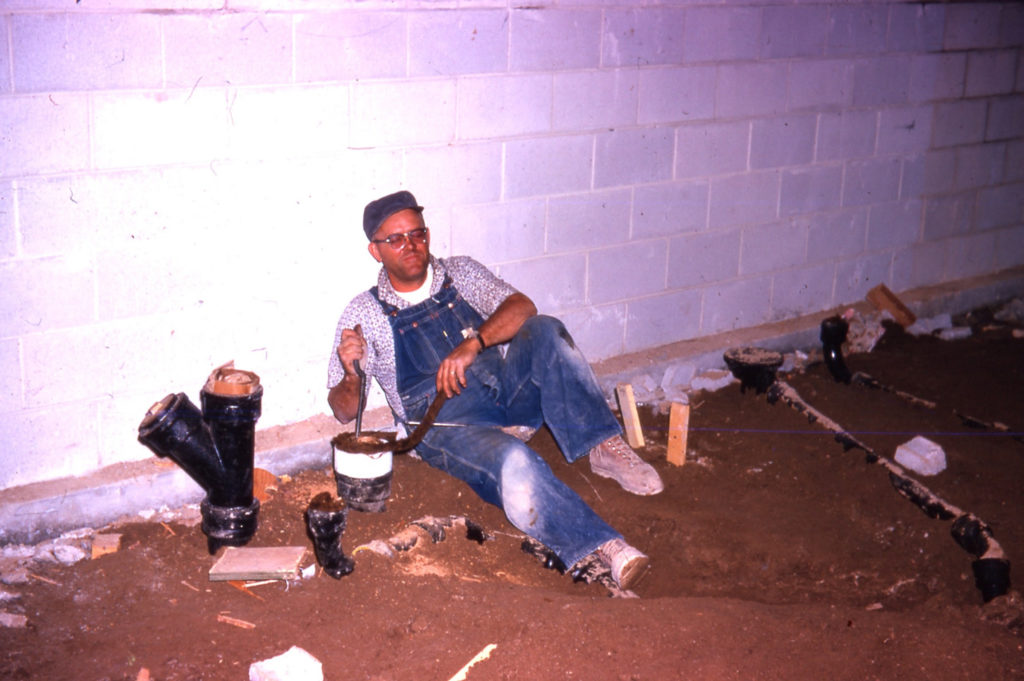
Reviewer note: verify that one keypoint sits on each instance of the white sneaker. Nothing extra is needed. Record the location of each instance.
(627, 564)
(615, 459)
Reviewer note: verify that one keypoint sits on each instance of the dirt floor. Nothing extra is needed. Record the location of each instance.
(775, 555)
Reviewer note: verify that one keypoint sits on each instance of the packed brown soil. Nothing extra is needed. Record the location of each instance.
(775, 555)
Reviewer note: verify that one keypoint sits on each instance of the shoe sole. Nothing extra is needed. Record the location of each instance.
(611, 476)
(634, 573)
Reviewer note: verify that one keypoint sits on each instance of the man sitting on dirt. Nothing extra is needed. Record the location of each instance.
(437, 326)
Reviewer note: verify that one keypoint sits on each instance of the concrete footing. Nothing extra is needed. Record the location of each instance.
(38, 511)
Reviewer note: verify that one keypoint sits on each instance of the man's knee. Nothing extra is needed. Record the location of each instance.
(520, 474)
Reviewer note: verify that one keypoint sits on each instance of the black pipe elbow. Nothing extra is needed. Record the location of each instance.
(833, 335)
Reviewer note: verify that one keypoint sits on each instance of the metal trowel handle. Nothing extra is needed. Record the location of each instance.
(362, 396)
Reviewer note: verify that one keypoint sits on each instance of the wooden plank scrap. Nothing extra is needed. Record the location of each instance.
(102, 544)
(630, 417)
(884, 299)
(678, 427)
(235, 622)
(263, 562)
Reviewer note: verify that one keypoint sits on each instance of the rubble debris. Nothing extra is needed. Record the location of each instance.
(865, 331)
(926, 327)
(8, 596)
(430, 526)
(711, 380)
(293, 665)
(955, 333)
(1012, 312)
(921, 455)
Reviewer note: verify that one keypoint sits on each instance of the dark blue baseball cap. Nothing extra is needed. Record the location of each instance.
(376, 212)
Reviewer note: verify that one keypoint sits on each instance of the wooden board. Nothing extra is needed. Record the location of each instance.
(884, 299)
(266, 562)
(102, 544)
(678, 427)
(630, 417)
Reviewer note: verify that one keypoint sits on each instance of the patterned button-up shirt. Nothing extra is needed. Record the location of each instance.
(478, 286)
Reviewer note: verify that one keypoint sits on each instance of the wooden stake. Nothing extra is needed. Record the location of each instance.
(630, 417)
(678, 427)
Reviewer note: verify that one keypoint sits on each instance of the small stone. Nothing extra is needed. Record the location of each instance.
(294, 665)
(12, 621)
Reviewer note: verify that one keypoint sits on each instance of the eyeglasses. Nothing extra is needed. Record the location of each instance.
(398, 241)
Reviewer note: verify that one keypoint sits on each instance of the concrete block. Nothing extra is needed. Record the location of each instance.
(627, 157)
(643, 36)
(1011, 25)
(626, 271)
(597, 330)
(939, 171)
(947, 216)
(1010, 247)
(45, 294)
(719, 34)
(972, 26)
(673, 95)
(1001, 206)
(768, 248)
(463, 41)
(52, 52)
(1005, 119)
(499, 232)
(339, 46)
(606, 214)
(736, 305)
(854, 278)
(144, 129)
(916, 28)
(811, 189)
(712, 149)
(288, 122)
(8, 235)
(921, 455)
(548, 165)
(793, 31)
(1015, 161)
(895, 225)
(44, 134)
(838, 234)
(751, 89)
(847, 135)
(782, 141)
(584, 100)
(857, 29)
(380, 113)
(871, 181)
(10, 375)
(919, 265)
(992, 72)
(504, 106)
(554, 283)
(49, 444)
(912, 176)
(461, 173)
(802, 290)
(820, 83)
(227, 48)
(662, 319)
(698, 259)
(670, 208)
(905, 130)
(979, 165)
(744, 199)
(937, 76)
(881, 81)
(971, 255)
(6, 84)
(552, 39)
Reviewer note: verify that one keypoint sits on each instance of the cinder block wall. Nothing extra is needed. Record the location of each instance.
(181, 181)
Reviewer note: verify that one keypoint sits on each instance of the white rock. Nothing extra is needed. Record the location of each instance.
(925, 327)
(921, 455)
(955, 333)
(712, 380)
(294, 665)
(13, 621)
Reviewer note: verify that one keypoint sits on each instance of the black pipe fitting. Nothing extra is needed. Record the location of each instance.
(216, 447)
(325, 523)
(833, 335)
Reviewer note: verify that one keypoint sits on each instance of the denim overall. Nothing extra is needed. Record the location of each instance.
(542, 378)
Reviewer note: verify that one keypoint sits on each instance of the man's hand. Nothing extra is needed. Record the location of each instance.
(451, 376)
(344, 397)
